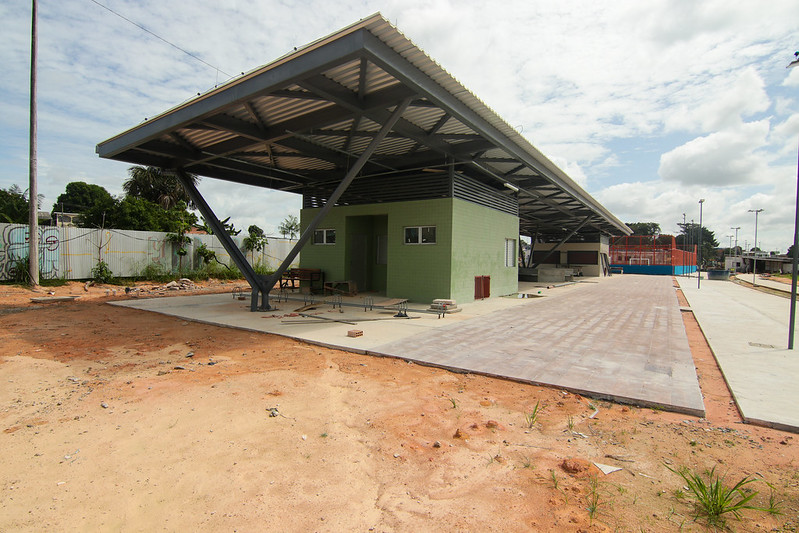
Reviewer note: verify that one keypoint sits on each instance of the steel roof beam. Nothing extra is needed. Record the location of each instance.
(276, 78)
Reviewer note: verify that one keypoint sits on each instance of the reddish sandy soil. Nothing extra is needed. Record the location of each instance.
(107, 424)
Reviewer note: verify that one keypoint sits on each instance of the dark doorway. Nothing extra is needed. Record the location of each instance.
(367, 252)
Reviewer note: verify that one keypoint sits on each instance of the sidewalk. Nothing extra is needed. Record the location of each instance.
(765, 282)
(748, 333)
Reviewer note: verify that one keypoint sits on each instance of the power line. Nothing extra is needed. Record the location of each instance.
(161, 38)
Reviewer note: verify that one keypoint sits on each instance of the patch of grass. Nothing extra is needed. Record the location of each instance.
(592, 499)
(527, 463)
(453, 402)
(555, 480)
(54, 282)
(531, 418)
(713, 499)
(773, 505)
(323, 435)
(570, 423)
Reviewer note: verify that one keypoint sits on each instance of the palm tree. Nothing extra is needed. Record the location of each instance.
(157, 185)
(290, 226)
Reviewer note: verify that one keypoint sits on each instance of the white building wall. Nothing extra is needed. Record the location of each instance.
(71, 252)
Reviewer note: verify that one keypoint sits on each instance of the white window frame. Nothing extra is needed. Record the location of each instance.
(419, 230)
(325, 234)
(510, 253)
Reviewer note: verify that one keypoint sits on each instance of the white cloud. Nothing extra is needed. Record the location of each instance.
(792, 79)
(723, 158)
(720, 103)
(589, 84)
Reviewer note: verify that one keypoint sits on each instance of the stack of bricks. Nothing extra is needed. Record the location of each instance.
(443, 305)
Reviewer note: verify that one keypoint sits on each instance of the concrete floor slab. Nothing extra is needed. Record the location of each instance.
(748, 333)
(619, 338)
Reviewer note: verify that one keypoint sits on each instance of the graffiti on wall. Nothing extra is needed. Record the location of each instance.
(15, 248)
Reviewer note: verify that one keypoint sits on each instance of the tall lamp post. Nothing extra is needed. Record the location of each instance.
(699, 250)
(736, 237)
(795, 254)
(754, 258)
(33, 212)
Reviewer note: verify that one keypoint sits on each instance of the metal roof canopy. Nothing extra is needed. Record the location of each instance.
(302, 120)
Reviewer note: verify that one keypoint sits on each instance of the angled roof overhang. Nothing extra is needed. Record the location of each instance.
(301, 120)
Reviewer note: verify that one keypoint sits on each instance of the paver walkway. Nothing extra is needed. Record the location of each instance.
(748, 333)
(622, 339)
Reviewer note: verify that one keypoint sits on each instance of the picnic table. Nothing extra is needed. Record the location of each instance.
(311, 275)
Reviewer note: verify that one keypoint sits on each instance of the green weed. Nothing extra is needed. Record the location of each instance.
(592, 499)
(530, 419)
(713, 500)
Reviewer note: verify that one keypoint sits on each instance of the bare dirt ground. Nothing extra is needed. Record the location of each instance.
(114, 419)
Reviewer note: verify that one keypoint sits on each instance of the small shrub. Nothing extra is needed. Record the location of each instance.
(207, 255)
(262, 269)
(102, 273)
(20, 271)
(155, 272)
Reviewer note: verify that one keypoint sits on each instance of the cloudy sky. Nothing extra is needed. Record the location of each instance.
(650, 106)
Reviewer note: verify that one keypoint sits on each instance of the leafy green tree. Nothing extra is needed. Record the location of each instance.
(290, 226)
(181, 240)
(13, 205)
(690, 235)
(644, 228)
(79, 197)
(256, 240)
(229, 227)
(157, 185)
(133, 213)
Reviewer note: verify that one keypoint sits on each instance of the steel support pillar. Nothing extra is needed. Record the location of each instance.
(533, 240)
(351, 173)
(566, 238)
(256, 282)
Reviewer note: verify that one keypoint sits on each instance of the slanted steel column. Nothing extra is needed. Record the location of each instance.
(566, 238)
(353, 171)
(238, 258)
(533, 240)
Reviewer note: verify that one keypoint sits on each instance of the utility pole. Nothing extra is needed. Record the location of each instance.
(33, 214)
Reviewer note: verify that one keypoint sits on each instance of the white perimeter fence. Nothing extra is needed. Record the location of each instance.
(71, 253)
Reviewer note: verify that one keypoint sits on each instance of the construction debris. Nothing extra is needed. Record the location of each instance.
(444, 306)
(355, 333)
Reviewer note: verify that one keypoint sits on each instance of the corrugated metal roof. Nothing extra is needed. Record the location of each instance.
(323, 102)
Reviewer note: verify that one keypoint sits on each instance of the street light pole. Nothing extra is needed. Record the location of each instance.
(33, 212)
(754, 257)
(795, 254)
(684, 247)
(736, 236)
(699, 250)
